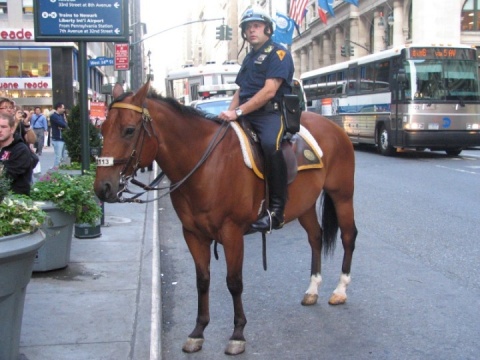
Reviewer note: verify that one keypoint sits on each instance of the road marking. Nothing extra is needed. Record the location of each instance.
(459, 170)
(155, 312)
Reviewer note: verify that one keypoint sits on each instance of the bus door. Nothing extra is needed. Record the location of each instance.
(350, 102)
(399, 102)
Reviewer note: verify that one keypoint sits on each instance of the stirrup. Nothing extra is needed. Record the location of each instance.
(271, 215)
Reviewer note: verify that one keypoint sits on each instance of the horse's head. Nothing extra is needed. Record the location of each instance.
(129, 142)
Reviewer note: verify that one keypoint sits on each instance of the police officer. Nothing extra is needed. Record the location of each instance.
(265, 76)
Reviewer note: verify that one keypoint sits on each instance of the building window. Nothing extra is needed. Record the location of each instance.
(470, 16)
(26, 62)
(3, 7)
(27, 6)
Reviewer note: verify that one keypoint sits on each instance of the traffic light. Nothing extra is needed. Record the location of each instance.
(352, 51)
(343, 51)
(228, 32)
(221, 32)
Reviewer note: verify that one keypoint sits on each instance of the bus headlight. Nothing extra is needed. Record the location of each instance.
(473, 127)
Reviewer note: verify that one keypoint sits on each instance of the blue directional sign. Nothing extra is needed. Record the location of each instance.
(81, 20)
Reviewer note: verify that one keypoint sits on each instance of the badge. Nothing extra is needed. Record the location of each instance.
(260, 58)
(281, 54)
(268, 49)
(309, 155)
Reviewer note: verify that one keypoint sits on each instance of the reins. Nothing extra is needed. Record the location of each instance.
(217, 138)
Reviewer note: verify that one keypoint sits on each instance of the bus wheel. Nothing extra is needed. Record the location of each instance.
(453, 151)
(384, 146)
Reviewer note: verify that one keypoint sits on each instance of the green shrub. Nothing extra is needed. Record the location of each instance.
(72, 137)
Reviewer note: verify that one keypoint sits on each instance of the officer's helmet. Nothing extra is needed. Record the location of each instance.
(255, 14)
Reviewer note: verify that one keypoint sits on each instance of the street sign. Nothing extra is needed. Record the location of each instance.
(81, 20)
(122, 56)
(101, 61)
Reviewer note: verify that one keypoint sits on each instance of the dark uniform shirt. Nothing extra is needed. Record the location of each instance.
(270, 61)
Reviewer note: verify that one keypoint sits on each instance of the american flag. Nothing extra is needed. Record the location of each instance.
(297, 10)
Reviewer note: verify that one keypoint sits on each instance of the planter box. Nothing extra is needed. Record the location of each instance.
(87, 231)
(55, 253)
(17, 253)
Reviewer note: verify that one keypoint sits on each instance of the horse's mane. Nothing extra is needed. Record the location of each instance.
(171, 102)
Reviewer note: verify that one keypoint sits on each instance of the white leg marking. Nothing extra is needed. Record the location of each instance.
(342, 285)
(315, 281)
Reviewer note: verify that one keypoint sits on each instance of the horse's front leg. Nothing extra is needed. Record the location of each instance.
(309, 222)
(200, 250)
(234, 251)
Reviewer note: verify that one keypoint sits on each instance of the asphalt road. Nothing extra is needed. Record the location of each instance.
(415, 275)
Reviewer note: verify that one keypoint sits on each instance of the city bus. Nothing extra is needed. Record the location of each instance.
(409, 97)
(189, 82)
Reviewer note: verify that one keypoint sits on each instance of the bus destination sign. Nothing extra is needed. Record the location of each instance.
(441, 53)
(81, 20)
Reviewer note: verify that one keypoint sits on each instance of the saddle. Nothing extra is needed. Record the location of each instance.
(301, 151)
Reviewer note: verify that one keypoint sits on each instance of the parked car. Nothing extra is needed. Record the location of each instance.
(213, 105)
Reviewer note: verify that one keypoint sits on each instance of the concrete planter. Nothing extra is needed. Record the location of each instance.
(17, 253)
(55, 253)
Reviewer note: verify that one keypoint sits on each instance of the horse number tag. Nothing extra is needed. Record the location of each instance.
(104, 161)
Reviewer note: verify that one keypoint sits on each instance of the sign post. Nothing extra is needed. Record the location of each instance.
(82, 21)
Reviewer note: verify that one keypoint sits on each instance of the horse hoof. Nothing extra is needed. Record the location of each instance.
(235, 347)
(337, 299)
(309, 299)
(193, 345)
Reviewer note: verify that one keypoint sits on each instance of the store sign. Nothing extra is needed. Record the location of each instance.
(25, 84)
(16, 34)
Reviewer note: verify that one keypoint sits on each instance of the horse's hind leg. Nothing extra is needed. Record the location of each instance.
(309, 222)
(346, 222)
(200, 250)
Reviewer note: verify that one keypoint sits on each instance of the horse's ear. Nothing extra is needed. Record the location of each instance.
(142, 92)
(117, 90)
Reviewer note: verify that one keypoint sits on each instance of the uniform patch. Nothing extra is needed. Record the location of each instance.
(281, 54)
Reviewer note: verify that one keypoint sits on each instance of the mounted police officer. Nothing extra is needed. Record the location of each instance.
(265, 76)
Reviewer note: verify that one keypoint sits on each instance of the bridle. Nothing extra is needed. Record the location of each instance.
(134, 159)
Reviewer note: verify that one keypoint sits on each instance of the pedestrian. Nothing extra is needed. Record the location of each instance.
(7, 106)
(58, 122)
(15, 157)
(39, 124)
(23, 128)
(48, 140)
(265, 76)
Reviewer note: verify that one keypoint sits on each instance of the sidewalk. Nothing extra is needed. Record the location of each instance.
(100, 305)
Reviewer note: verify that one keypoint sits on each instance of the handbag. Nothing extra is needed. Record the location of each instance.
(291, 113)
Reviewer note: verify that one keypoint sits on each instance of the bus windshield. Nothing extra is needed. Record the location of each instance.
(440, 80)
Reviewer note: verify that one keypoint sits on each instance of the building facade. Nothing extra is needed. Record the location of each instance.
(44, 73)
(377, 25)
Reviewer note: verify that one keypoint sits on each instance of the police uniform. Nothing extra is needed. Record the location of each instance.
(270, 61)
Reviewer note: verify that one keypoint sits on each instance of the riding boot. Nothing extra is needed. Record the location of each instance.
(277, 185)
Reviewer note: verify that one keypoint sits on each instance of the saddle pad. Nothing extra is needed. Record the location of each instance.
(311, 152)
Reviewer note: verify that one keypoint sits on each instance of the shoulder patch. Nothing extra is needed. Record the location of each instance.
(281, 54)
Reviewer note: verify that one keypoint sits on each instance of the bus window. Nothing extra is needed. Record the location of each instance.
(382, 82)
(352, 80)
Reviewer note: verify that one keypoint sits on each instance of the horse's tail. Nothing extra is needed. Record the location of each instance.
(329, 224)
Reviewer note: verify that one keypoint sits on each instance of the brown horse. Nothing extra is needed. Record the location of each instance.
(216, 197)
